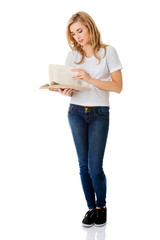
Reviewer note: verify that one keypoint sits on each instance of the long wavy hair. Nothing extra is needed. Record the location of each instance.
(95, 37)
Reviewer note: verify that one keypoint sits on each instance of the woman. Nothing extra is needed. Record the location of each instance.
(88, 114)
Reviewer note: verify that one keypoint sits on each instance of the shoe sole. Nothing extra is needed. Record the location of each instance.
(86, 225)
(100, 225)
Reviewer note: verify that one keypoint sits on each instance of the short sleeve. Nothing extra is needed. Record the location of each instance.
(69, 59)
(113, 60)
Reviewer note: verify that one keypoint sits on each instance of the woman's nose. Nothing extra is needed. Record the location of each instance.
(77, 36)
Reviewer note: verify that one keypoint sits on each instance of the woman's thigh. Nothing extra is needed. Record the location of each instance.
(79, 129)
(98, 133)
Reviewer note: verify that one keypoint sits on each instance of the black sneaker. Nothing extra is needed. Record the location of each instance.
(89, 218)
(100, 217)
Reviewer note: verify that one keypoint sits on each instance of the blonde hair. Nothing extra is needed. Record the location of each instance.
(95, 36)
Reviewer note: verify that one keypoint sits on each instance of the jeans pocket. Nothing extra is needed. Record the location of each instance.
(70, 110)
(102, 112)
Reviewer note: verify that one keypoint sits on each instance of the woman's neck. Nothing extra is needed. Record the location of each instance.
(88, 50)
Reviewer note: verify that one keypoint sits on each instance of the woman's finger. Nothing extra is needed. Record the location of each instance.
(77, 70)
(78, 75)
(66, 91)
(60, 90)
(69, 90)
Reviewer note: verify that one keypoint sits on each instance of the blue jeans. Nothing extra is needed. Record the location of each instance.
(89, 127)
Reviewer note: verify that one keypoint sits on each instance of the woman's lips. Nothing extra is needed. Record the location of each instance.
(81, 41)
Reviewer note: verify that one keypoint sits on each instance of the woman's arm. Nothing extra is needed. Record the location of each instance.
(115, 85)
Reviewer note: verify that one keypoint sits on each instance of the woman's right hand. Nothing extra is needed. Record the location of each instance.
(66, 91)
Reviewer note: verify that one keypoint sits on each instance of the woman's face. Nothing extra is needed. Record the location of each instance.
(80, 33)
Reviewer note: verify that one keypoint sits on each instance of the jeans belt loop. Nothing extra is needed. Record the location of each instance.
(74, 109)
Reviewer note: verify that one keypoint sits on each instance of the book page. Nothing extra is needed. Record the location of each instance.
(63, 74)
(60, 76)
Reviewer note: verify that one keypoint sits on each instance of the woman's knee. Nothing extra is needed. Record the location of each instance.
(94, 173)
(83, 167)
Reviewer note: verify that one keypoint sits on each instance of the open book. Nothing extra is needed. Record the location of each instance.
(60, 76)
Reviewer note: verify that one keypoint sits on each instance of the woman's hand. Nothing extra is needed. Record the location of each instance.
(66, 91)
(81, 75)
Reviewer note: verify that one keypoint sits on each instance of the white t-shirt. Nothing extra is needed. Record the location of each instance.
(108, 64)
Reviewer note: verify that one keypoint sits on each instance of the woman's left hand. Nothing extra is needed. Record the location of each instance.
(82, 75)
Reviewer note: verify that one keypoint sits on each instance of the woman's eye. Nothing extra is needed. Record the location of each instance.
(78, 32)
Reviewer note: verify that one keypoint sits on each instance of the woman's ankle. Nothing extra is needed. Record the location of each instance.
(90, 209)
(100, 207)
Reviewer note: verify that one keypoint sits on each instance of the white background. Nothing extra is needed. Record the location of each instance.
(40, 191)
